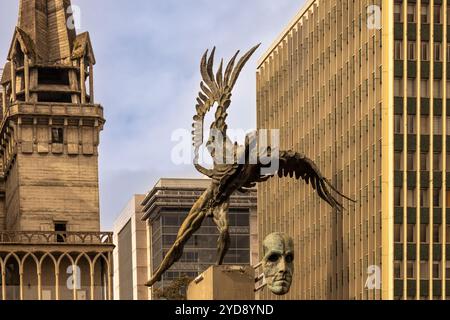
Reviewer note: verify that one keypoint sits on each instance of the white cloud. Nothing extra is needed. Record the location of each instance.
(147, 77)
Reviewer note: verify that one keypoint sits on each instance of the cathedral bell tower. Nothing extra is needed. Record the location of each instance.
(50, 124)
(50, 236)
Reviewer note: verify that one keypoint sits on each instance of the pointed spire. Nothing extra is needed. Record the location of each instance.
(48, 61)
(46, 23)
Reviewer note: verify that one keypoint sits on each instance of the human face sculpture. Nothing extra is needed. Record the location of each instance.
(278, 262)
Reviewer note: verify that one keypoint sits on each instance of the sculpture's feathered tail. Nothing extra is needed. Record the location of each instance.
(293, 164)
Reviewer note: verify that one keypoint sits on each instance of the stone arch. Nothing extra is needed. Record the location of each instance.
(12, 265)
(14, 255)
(64, 266)
(84, 276)
(102, 269)
(2, 269)
(30, 273)
(48, 266)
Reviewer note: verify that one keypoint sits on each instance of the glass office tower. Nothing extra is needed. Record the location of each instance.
(361, 88)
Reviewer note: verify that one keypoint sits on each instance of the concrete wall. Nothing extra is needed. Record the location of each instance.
(224, 283)
(140, 263)
(131, 217)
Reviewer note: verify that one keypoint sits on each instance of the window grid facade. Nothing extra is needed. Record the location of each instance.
(420, 218)
(370, 108)
(165, 208)
(321, 86)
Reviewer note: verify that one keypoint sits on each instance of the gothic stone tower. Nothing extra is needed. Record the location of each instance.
(50, 127)
(49, 137)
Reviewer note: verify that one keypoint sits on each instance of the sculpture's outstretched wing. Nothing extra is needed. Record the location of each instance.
(216, 89)
(293, 164)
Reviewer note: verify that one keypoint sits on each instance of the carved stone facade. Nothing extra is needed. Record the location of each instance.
(49, 137)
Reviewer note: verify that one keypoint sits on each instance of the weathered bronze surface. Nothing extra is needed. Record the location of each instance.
(278, 262)
(233, 168)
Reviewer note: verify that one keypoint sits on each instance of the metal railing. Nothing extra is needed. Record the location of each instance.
(55, 237)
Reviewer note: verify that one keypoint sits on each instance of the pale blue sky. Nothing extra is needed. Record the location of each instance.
(147, 77)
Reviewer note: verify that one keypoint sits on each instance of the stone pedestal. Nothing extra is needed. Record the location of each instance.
(224, 283)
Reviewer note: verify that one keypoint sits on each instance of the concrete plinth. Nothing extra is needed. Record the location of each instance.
(224, 283)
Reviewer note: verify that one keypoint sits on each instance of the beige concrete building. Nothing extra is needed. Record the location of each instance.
(51, 246)
(130, 253)
(362, 88)
(164, 209)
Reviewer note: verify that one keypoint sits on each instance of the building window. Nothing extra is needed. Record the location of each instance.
(425, 125)
(398, 197)
(410, 232)
(448, 51)
(61, 228)
(424, 89)
(412, 88)
(424, 50)
(411, 50)
(448, 239)
(437, 52)
(437, 197)
(398, 87)
(397, 12)
(448, 122)
(398, 233)
(57, 135)
(437, 233)
(397, 270)
(424, 13)
(437, 162)
(437, 89)
(423, 233)
(436, 270)
(437, 125)
(411, 161)
(53, 76)
(398, 124)
(424, 200)
(411, 194)
(410, 269)
(411, 125)
(437, 14)
(398, 52)
(398, 161)
(424, 271)
(424, 165)
(168, 240)
(411, 13)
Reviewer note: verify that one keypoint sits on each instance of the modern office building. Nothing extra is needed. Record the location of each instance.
(164, 209)
(130, 253)
(51, 246)
(362, 87)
